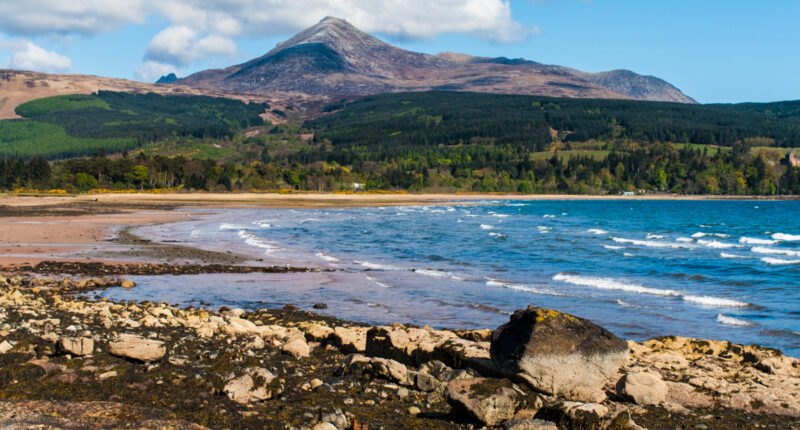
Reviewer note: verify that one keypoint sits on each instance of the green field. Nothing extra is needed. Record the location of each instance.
(25, 138)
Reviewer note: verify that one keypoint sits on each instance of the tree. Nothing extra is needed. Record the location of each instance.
(140, 175)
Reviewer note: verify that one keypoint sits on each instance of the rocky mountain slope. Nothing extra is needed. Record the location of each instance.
(335, 59)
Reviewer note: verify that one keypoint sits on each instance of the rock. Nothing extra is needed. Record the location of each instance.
(530, 424)
(317, 332)
(424, 382)
(320, 306)
(349, 340)
(324, 426)
(402, 392)
(137, 348)
(256, 342)
(76, 345)
(555, 352)
(297, 348)
(314, 383)
(586, 394)
(127, 284)
(250, 387)
(413, 410)
(490, 401)
(642, 388)
(107, 375)
(574, 415)
(5, 346)
(337, 418)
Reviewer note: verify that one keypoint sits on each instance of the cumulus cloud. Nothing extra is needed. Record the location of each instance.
(181, 45)
(46, 17)
(26, 55)
(150, 71)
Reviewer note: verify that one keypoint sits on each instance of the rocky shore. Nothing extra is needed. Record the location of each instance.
(68, 362)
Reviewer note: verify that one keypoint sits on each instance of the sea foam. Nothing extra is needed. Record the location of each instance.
(621, 285)
(779, 262)
(597, 231)
(724, 319)
(376, 266)
(717, 244)
(756, 241)
(327, 257)
(439, 274)
(520, 287)
(651, 243)
(486, 227)
(775, 251)
(726, 255)
(253, 240)
(786, 237)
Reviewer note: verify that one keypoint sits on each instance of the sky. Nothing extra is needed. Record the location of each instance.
(714, 51)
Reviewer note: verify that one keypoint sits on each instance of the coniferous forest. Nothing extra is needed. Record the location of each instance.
(432, 141)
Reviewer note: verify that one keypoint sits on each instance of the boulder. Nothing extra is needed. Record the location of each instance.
(76, 345)
(297, 348)
(530, 424)
(250, 387)
(642, 388)
(137, 348)
(575, 415)
(127, 283)
(490, 401)
(350, 339)
(5, 346)
(555, 352)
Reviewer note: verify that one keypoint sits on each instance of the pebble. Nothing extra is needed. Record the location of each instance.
(413, 410)
(402, 392)
(316, 383)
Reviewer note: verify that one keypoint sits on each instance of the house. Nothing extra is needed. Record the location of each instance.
(628, 194)
(791, 160)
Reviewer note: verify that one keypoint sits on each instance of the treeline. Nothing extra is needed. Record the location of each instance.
(412, 120)
(655, 168)
(79, 125)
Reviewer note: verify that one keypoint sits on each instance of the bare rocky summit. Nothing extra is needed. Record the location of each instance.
(335, 59)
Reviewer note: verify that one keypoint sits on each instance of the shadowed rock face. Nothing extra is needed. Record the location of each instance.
(556, 352)
(333, 58)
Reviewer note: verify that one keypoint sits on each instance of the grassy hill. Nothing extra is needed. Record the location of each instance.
(77, 125)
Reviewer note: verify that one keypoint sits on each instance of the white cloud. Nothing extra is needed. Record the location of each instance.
(182, 45)
(47, 17)
(26, 55)
(150, 71)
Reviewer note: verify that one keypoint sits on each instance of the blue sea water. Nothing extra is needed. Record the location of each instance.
(708, 269)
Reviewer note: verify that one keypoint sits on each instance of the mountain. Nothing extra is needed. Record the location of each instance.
(167, 79)
(334, 59)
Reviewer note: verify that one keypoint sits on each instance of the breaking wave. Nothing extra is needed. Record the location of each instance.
(779, 262)
(786, 237)
(775, 251)
(756, 241)
(724, 319)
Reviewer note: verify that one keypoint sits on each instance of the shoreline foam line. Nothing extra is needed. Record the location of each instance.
(614, 284)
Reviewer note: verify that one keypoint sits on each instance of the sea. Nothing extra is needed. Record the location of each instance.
(726, 270)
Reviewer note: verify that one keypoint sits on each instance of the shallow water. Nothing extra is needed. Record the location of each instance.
(708, 269)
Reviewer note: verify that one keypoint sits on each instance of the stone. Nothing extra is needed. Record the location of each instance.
(127, 284)
(316, 382)
(402, 392)
(530, 424)
(586, 394)
(320, 306)
(574, 415)
(642, 388)
(556, 352)
(424, 382)
(137, 348)
(5, 346)
(337, 418)
(76, 345)
(324, 426)
(350, 340)
(413, 410)
(317, 332)
(250, 387)
(107, 375)
(297, 348)
(490, 401)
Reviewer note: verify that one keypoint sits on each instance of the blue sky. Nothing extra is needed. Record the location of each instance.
(714, 51)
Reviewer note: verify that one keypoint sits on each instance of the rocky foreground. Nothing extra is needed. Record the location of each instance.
(67, 362)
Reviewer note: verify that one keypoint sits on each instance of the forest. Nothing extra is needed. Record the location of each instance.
(445, 142)
(80, 125)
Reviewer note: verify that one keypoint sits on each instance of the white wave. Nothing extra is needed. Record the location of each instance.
(228, 226)
(379, 283)
(775, 251)
(786, 237)
(779, 262)
(486, 227)
(724, 319)
(625, 304)
(253, 240)
(376, 266)
(650, 243)
(726, 255)
(701, 234)
(597, 231)
(310, 220)
(621, 285)
(612, 284)
(684, 240)
(548, 216)
(717, 244)
(612, 247)
(440, 274)
(715, 301)
(517, 204)
(543, 229)
(327, 257)
(263, 224)
(493, 234)
(756, 241)
(500, 215)
(655, 236)
(520, 287)
(627, 254)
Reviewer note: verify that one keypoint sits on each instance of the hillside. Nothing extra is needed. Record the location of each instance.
(333, 59)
